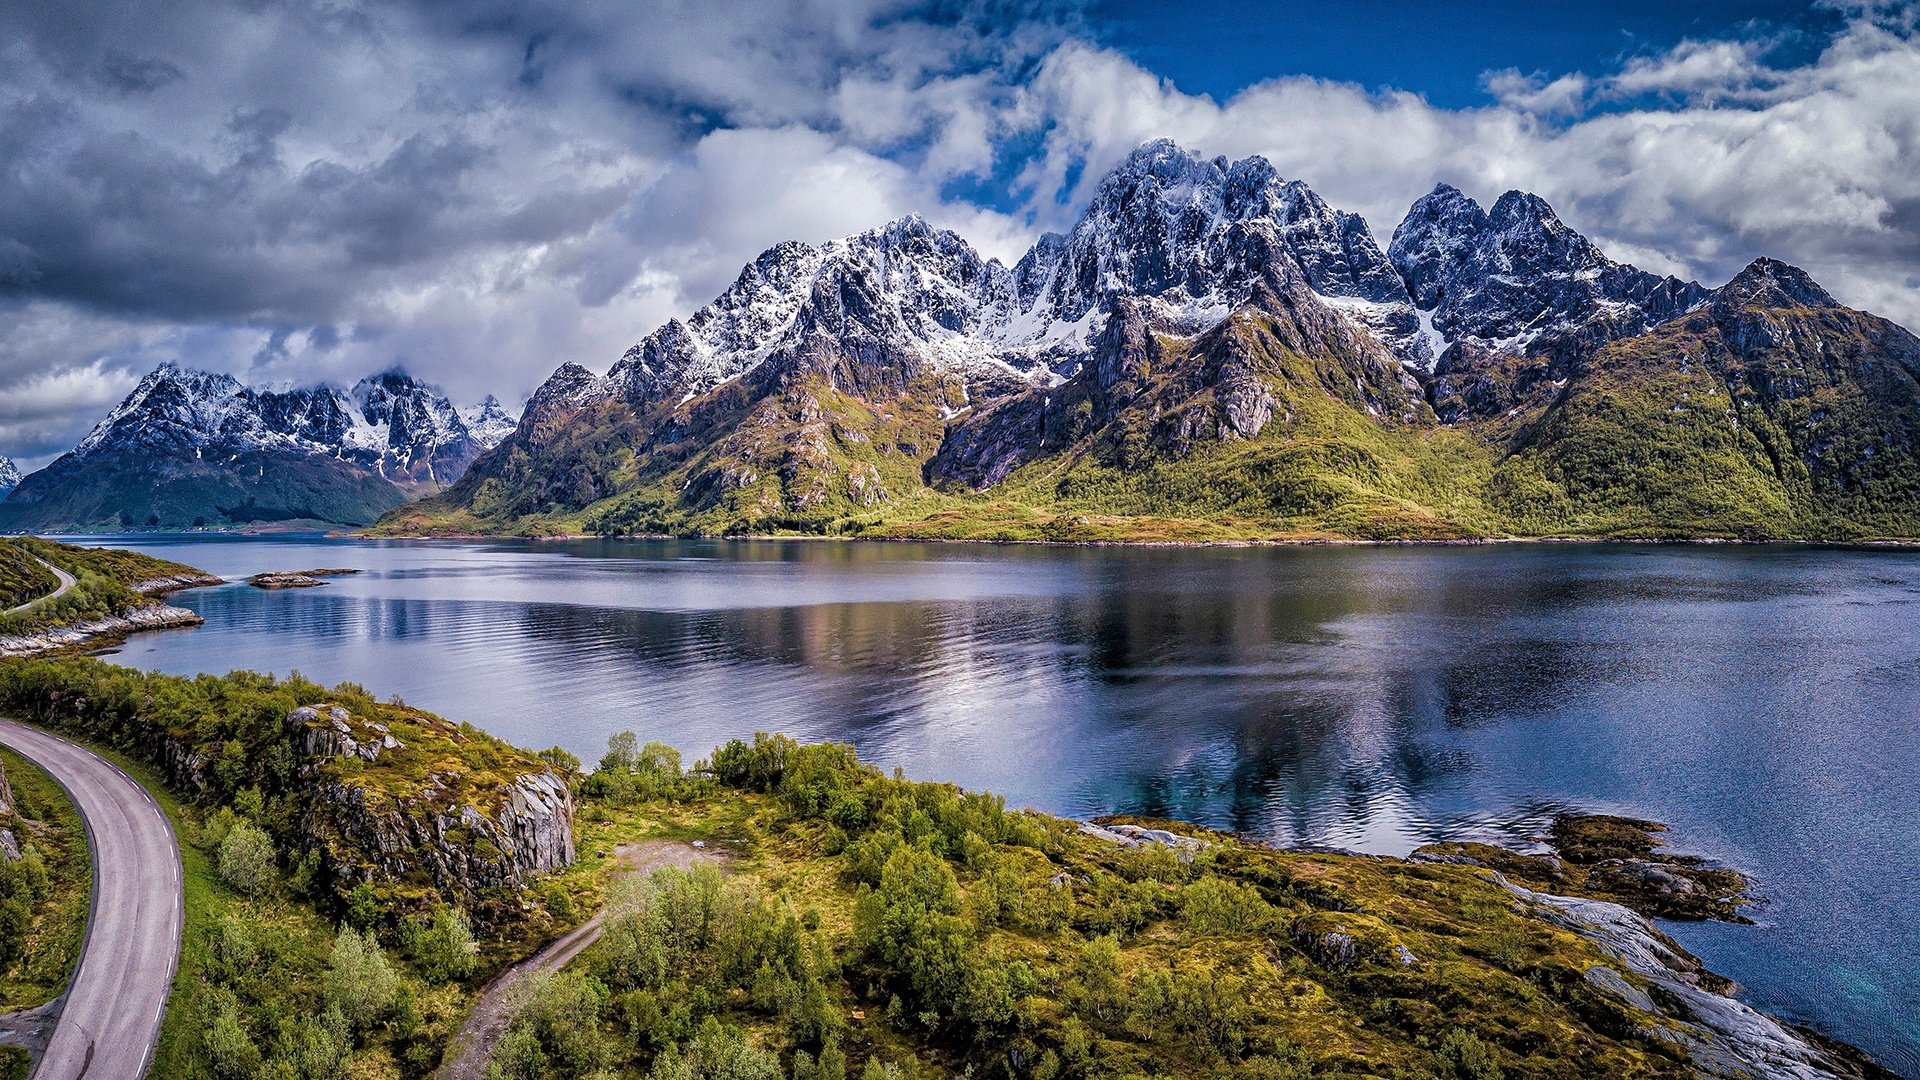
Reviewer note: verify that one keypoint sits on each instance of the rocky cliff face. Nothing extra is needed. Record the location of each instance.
(384, 813)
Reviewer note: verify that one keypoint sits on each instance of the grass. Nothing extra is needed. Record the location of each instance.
(46, 818)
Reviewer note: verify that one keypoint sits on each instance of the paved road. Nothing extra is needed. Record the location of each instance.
(111, 1019)
(66, 582)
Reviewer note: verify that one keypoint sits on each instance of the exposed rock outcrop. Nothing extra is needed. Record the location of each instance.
(425, 818)
(1722, 1036)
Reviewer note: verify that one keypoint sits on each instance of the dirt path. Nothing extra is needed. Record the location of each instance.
(66, 582)
(472, 1047)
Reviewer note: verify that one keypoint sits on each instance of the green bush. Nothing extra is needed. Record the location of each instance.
(360, 982)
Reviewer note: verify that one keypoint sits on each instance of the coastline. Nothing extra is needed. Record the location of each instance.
(110, 629)
(1698, 1012)
(1303, 542)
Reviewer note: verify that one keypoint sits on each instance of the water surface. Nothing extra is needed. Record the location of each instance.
(1766, 701)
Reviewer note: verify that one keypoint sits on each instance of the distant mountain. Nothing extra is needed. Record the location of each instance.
(1213, 351)
(9, 475)
(192, 448)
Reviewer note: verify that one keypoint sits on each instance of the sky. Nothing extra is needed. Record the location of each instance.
(480, 191)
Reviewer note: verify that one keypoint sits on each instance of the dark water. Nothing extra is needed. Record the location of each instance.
(1765, 701)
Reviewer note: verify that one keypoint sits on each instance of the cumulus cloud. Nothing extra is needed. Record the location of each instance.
(482, 191)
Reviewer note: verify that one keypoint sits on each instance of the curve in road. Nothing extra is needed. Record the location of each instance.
(66, 582)
(110, 1022)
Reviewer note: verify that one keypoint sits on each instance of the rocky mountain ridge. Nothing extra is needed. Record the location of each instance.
(9, 475)
(390, 424)
(195, 448)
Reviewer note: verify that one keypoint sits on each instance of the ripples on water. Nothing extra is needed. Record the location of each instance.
(1764, 700)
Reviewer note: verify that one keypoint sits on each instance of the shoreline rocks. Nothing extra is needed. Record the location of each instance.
(72, 635)
(1722, 1036)
(160, 586)
(1614, 858)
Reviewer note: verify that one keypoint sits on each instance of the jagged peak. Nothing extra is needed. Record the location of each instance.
(1772, 283)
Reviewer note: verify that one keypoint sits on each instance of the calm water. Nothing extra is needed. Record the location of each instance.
(1764, 701)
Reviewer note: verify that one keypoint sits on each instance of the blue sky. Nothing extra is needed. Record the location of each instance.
(479, 190)
(1440, 50)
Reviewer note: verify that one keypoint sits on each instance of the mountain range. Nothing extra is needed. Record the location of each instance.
(1213, 352)
(199, 449)
(1210, 352)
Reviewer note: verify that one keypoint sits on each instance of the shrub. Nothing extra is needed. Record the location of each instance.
(359, 980)
(246, 859)
(443, 950)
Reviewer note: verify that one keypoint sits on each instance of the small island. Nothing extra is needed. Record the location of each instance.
(297, 579)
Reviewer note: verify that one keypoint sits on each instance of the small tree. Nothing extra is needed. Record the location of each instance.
(246, 858)
(623, 752)
(444, 949)
(359, 981)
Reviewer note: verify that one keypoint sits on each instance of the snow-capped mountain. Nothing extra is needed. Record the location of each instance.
(1512, 278)
(190, 448)
(1192, 235)
(1210, 337)
(9, 475)
(488, 422)
(1196, 237)
(388, 424)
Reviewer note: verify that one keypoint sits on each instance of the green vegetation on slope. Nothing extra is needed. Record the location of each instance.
(120, 491)
(288, 969)
(105, 581)
(44, 894)
(22, 577)
(868, 925)
(225, 741)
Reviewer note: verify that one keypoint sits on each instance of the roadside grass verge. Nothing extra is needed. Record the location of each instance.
(45, 820)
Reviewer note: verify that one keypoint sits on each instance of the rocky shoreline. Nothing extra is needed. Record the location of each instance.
(1619, 878)
(156, 616)
(1603, 879)
(92, 631)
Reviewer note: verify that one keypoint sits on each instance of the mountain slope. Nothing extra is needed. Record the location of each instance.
(9, 475)
(1772, 411)
(1513, 297)
(198, 449)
